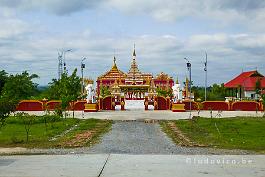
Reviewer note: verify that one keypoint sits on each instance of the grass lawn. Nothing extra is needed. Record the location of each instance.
(13, 134)
(246, 133)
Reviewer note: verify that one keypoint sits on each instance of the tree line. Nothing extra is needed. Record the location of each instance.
(21, 86)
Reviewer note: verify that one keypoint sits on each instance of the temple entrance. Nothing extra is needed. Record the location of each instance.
(134, 92)
(134, 104)
(135, 96)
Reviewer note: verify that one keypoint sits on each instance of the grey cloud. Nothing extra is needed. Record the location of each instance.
(248, 13)
(59, 7)
(228, 54)
(157, 8)
(242, 5)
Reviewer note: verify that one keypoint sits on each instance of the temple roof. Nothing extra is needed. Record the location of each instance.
(134, 68)
(113, 73)
(247, 80)
(163, 76)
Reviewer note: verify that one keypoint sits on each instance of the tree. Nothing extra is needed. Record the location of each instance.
(3, 79)
(214, 92)
(104, 91)
(27, 121)
(19, 86)
(164, 93)
(258, 87)
(6, 108)
(263, 101)
(198, 92)
(217, 92)
(67, 89)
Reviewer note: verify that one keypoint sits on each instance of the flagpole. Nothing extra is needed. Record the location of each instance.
(205, 69)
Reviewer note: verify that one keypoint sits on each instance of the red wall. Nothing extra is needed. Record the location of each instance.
(51, 105)
(216, 105)
(193, 105)
(30, 105)
(246, 106)
(161, 103)
(79, 105)
(35, 105)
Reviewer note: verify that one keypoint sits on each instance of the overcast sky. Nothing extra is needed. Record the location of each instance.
(231, 31)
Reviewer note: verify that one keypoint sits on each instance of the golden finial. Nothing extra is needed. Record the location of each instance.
(114, 67)
(114, 60)
(134, 53)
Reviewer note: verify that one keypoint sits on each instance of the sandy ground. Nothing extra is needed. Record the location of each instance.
(138, 114)
(16, 150)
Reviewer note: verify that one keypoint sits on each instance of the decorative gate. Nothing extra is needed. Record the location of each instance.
(108, 103)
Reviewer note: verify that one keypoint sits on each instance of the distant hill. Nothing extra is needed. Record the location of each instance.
(42, 87)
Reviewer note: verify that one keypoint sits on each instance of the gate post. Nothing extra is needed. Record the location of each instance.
(100, 104)
(113, 104)
(168, 102)
(155, 103)
(146, 103)
(122, 103)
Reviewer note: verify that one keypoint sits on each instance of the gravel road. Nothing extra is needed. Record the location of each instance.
(137, 137)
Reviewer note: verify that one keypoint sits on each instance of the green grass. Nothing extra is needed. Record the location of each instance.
(246, 133)
(13, 134)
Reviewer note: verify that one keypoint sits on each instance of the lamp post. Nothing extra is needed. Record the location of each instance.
(205, 69)
(82, 87)
(64, 63)
(189, 70)
(82, 73)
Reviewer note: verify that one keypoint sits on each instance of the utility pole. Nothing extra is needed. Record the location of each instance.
(82, 86)
(82, 75)
(189, 70)
(60, 65)
(64, 63)
(205, 69)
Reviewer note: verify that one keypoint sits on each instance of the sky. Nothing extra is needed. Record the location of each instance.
(164, 32)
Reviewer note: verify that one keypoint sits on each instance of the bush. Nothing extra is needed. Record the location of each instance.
(15, 140)
(6, 108)
(58, 111)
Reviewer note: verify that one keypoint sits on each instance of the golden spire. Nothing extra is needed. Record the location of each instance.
(134, 67)
(134, 53)
(114, 67)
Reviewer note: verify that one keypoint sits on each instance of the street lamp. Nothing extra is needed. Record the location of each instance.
(82, 87)
(189, 84)
(82, 73)
(205, 69)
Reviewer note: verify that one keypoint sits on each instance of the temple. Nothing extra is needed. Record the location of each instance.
(133, 85)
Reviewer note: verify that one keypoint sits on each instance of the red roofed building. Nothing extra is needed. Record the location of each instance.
(244, 85)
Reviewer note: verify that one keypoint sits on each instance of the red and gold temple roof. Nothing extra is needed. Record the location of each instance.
(114, 73)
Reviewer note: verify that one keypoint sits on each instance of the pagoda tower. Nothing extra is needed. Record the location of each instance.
(134, 76)
(134, 67)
